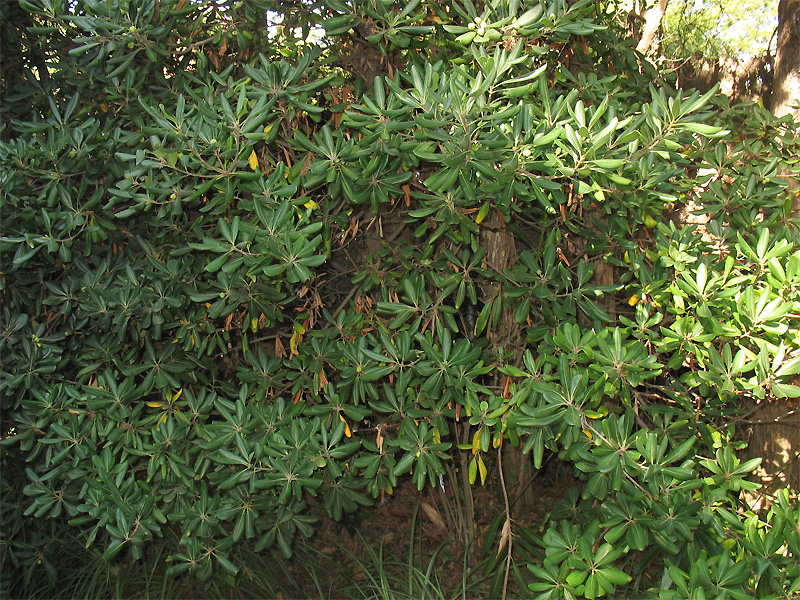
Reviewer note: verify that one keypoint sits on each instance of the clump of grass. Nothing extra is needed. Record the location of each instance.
(71, 570)
(417, 575)
(67, 568)
(368, 573)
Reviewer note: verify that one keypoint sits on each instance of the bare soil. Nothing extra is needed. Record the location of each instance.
(401, 519)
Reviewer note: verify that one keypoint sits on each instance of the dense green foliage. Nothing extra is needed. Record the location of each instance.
(197, 336)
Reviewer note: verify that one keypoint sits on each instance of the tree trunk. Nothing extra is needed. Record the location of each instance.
(775, 438)
(785, 98)
(786, 85)
(775, 427)
(501, 253)
(652, 23)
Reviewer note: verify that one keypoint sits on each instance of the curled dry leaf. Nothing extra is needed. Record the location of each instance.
(504, 535)
(433, 515)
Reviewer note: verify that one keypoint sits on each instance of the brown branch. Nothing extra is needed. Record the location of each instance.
(652, 23)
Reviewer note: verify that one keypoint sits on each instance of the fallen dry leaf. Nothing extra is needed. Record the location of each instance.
(433, 515)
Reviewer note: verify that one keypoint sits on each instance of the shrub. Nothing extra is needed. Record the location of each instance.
(199, 334)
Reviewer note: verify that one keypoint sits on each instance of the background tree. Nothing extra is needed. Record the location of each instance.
(653, 18)
(786, 85)
(728, 42)
(737, 45)
(736, 29)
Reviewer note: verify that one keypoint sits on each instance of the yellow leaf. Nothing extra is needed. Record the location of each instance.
(497, 439)
(588, 434)
(177, 395)
(155, 404)
(634, 300)
(482, 470)
(437, 438)
(311, 204)
(482, 213)
(347, 431)
(602, 411)
(293, 341)
(253, 160)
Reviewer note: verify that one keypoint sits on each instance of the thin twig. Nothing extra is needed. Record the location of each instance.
(778, 419)
(347, 299)
(507, 524)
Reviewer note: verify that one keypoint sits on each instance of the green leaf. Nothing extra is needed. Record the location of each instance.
(548, 138)
(216, 264)
(226, 564)
(784, 390)
(607, 163)
(405, 463)
(706, 130)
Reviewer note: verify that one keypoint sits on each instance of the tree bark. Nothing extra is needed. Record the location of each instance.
(652, 23)
(775, 438)
(776, 426)
(785, 98)
(501, 253)
(786, 84)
